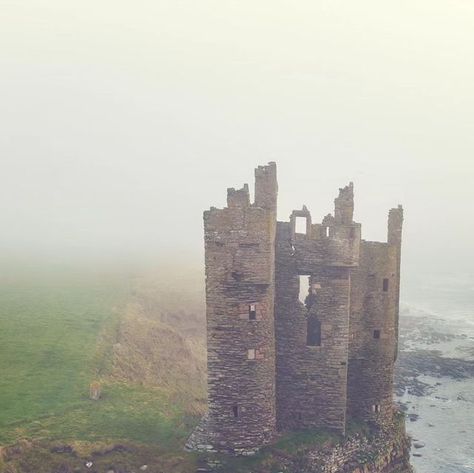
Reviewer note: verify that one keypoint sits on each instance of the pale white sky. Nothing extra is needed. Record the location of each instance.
(122, 121)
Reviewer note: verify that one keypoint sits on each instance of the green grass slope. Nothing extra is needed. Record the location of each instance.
(58, 335)
(48, 336)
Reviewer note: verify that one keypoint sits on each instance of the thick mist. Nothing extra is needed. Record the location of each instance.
(122, 121)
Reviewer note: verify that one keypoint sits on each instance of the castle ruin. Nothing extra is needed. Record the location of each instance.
(302, 319)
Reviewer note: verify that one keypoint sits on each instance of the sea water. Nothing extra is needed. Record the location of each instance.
(446, 415)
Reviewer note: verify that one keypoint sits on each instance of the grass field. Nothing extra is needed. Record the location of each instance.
(50, 351)
(48, 342)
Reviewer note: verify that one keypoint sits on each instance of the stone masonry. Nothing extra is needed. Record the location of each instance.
(302, 320)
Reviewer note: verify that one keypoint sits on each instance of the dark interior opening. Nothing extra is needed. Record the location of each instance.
(237, 276)
(385, 285)
(235, 410)
(377, 334)
(313, 333)
(252, 312)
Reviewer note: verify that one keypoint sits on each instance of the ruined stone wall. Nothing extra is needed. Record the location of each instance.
(239, 255)
(275, 361)
(312, 378)
(339, 249)
(374, 330)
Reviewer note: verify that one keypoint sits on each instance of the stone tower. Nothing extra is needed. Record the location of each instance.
(240, 288)
(373, 343)
(302, 320)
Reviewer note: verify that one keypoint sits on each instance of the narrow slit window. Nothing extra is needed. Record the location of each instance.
(376, 408)
(385, 285)
(235, 410)
(376, 334)
(252, 312)
(313, 332)
(327, 232)
(251, 354)
(300, 225)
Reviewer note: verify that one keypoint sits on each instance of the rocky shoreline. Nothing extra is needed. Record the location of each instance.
(428, 361)
(433, 381)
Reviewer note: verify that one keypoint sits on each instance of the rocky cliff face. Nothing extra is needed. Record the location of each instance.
(370, 451)
(386, 452)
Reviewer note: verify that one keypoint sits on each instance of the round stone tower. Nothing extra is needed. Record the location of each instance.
(374, 326)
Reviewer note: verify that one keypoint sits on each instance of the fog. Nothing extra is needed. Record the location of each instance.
(122, 121)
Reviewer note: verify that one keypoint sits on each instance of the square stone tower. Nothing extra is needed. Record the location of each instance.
(240, 294)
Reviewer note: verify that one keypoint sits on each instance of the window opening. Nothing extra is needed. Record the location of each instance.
(304, 288)
(300, 225)
(327, 232)
(251, 354)
(237, 276)
(313, 332)
(252, 312)
(235, 410)
(385, 285)
(377, 334)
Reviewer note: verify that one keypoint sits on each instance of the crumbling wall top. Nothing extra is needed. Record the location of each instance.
(344, 205)
(395, 223)
(266, 186)
(239, 197)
